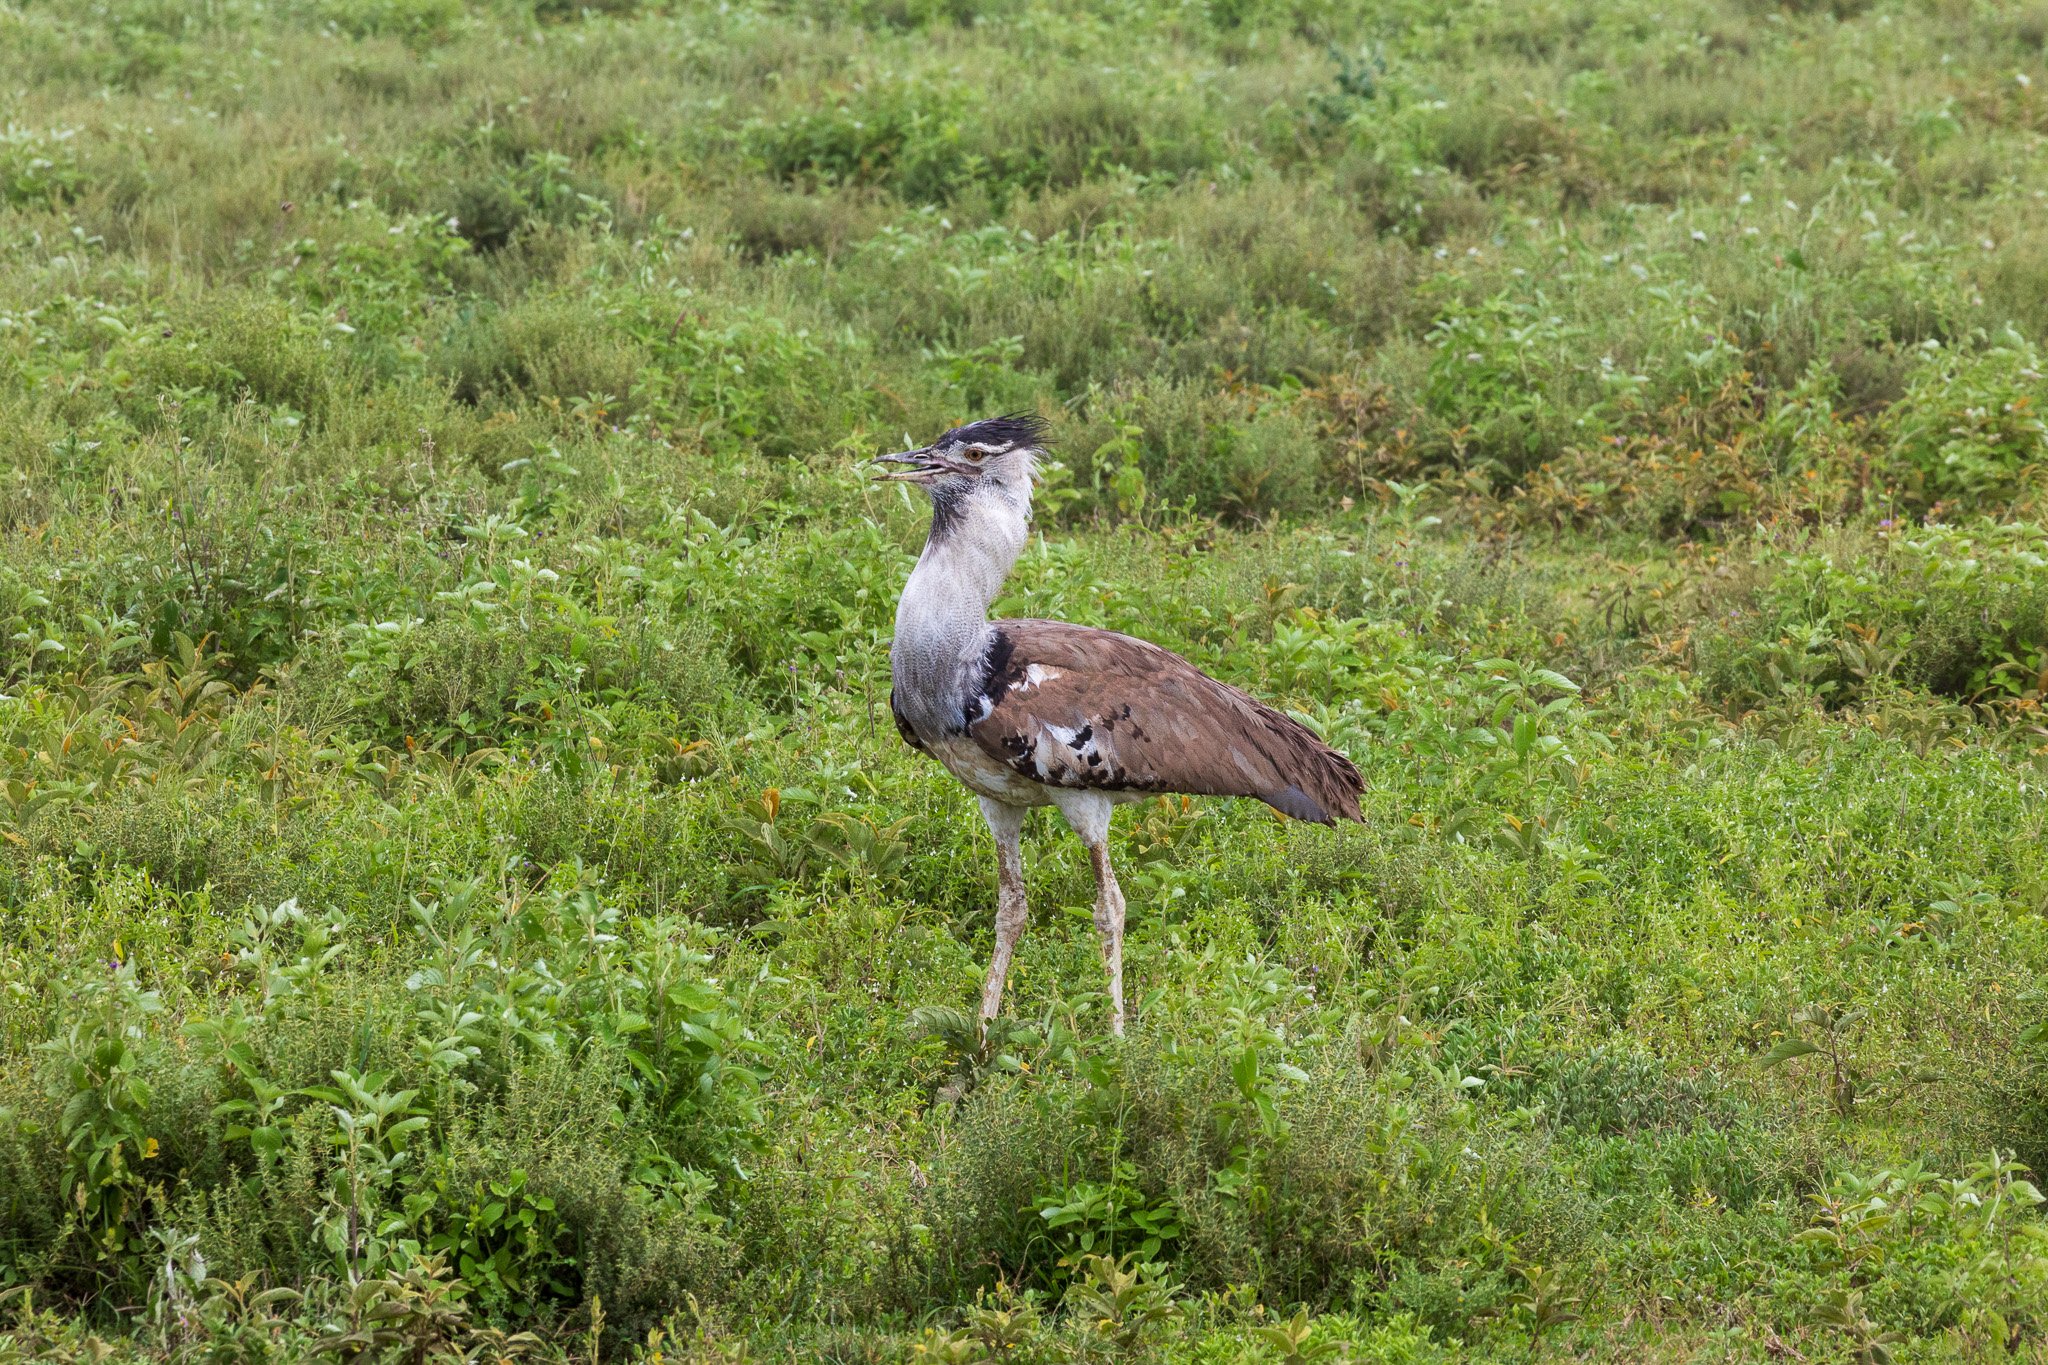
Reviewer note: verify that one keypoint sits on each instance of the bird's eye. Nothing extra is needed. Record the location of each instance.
(976, 454)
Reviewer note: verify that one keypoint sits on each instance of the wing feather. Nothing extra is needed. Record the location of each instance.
(1071, 706)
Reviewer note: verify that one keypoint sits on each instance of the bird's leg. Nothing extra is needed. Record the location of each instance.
(1109, 922)
(1007, 824)
(1088, 815)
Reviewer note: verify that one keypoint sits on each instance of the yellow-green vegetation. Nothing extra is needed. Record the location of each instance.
(463, 896)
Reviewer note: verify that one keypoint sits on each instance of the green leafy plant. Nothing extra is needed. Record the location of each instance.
(505, 1242)
(105, 1118)
(1543, 1302)
(1108, 1218)
(1120, 1300)
(1829, 1030)
(1867, 1342)
(374, 1126)
(1970, 421)
(1006, 1323)
(1295, 1340)
(420, 1311)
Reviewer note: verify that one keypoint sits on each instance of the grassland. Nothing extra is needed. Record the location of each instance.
(461, 896)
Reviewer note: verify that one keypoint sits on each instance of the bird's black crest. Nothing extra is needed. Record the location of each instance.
(1012, 428)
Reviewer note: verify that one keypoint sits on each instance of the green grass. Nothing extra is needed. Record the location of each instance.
(461, 895)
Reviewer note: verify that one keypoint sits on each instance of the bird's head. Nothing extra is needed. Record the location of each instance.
(996, 454)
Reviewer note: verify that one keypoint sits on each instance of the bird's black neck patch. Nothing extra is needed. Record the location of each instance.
(997, 677)
(949, 508)
(995, 665)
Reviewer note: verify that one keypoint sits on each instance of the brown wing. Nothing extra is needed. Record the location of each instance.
(1074, 707)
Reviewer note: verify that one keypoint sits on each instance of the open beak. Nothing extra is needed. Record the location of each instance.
(918, 465)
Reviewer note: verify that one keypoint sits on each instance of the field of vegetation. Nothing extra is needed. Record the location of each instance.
(462, 896)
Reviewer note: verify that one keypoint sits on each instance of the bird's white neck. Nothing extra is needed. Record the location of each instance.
(943, 614)
(974, 543)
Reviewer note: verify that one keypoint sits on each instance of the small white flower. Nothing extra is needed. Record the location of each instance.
(2023, 78)
(1698, 236)
(1742, 198)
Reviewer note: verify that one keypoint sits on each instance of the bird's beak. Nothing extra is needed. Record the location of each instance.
(918, 465)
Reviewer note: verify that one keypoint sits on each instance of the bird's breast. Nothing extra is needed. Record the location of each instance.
(935, 666)
(937, 678)
(983, 775)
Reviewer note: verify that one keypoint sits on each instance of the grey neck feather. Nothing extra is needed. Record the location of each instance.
(942, 619)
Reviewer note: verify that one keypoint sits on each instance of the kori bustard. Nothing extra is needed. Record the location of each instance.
(1043, 713)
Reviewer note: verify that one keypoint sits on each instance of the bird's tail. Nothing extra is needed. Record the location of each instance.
(1323, 786)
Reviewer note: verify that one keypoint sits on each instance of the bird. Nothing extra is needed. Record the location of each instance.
(1029, 713)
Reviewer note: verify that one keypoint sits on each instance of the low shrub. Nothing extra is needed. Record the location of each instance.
(215, 351)
(1253, 1170)
(38, 166)
(1970, 422)
(1961, 611)
(553, 1132)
